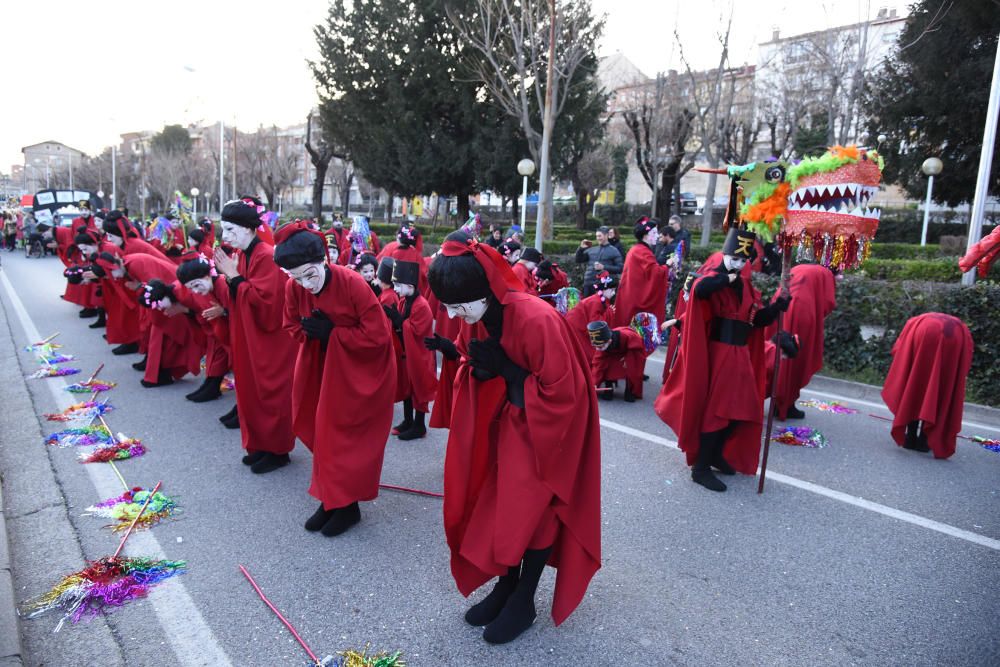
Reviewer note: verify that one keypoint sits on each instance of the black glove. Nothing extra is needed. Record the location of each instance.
(769, 313)
(712, 282)
(488, 360)
(439, 342)
(788, 343)
(318, 327)
(394, 316)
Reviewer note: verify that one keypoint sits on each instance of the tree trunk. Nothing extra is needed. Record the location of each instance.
(345, 194)
(706, 214)
(318, 192)
(390, 199)
(667, 179)
(515, 212)
(582, 208)
(463, 207)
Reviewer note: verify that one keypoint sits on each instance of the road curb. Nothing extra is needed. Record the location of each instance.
(11, 653)
(867, 392)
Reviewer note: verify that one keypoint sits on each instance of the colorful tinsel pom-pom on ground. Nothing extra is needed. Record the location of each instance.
(103, 584)
(52, 371)
(91, 386)
(834, 407)
(988, 443)
(55, 358)
(86, 411)
(125, 508)
(123, 448)
(362, 659)
(800, 436)
(86, 436)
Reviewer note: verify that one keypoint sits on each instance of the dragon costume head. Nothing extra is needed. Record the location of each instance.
(819, 205)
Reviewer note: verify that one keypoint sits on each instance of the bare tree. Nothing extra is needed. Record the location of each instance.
(272, 166)
(342, 177)
(320, 154)
(589, 175)
(526, 52)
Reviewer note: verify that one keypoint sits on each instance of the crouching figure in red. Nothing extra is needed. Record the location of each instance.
(522, 471)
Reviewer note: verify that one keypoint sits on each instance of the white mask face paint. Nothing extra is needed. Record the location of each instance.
(530, 265)
(200, 286)
(116, 240)
(514, 257)
(333, 254)
(87, 250)
(733, 264)
(368, 273)
(651, 237)
(338, 224)
(402, 290)
(310, 276)
(118, 273)
(610, 293)
(236, 236)
(99, 223)
(470, 311)
(192, 243)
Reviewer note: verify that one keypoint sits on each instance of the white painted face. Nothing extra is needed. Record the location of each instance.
(530, 265)
(514, 257)
(192, 243)
(116, 240)
(368, 273)
(310, 276)
(338, 224)
(99, 223)
(609, 293)
(402, 290)
(87, 250)
(603, 346)
(651, 237)
(333, 254)
(470, 311)
(237, 236)
(200, 286)
(118, 272)
(733, 264)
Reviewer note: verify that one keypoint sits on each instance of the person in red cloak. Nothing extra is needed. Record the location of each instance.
(412, 322)
(119, 231)
(120, 303)
(446, 330)
(814, 296)
(342, 338)
(674, 335)
(360, 239)
(175, 345)
(714, 396)
(408, 247)
(524, 269)
(644, 283)
(263, 355)
(201, 243)
(203, 292)
(522, 471)
(332, 246)
(619, 354)
(337, 232)
(88, 243)
(597, 306)
(925, 387)
(68, 253)
(550, 279)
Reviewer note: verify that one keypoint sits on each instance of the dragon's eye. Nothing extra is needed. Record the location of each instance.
(775, 174)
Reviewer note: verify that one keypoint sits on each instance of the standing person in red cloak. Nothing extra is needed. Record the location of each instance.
(409, 247)
(925, 387)
(263, 355)
(412, 322)
(619, 354)
(597, 306)
(814, 296)
(714, 396)
(524, 269)
(342, 339)
(202, 291)
(522, 471)
(643, 285)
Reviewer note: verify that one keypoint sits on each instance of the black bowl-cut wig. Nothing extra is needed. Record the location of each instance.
(458, 279)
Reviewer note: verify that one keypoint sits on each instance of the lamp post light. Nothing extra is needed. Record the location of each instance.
(194, 203)
(932, 167)
(525, 167)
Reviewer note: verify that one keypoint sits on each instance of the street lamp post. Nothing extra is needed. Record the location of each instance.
(525, 167)
(932, 167)
(194, 203)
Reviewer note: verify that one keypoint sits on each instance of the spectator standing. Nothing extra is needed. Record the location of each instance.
(601, 257)
(614, 240)
(680, 234)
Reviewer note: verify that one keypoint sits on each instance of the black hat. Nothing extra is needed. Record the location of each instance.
(197, 234)
(739, 243)
(155, 291)
(599, 332)
(531, 255)
(300, 248)
(84, 205)
(643, 225)
(242, 212)
(508, 248)
(459, 278)
(544, 270)
(605, 281)
(84, 239)
(193, 269)
(407, 235)
(405, 273)
(385, 267)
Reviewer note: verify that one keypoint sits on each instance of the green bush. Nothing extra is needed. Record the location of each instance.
(938, 270)
(905, 226)
(905, 251)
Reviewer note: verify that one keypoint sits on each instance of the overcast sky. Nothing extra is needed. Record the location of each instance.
(84, 72)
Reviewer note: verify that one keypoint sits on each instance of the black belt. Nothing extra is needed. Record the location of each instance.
(731, 332)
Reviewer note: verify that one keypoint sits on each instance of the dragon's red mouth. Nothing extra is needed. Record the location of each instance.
(847, 199)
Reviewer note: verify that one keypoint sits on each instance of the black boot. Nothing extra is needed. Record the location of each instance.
(794, 413)
(701, 472)
(342, 519)
(140, 365)
(163, 379)
(208, 391)
(88, 312)
(252, 457)
(518, 613)
(229, 415)
(125, 348)
(486, 610)
(609, 391)
(102, 320)
(915, 440)
(234, 421)
(417, 429)
(318, 519)
(269, 463)
(629, 396)
(407, 422)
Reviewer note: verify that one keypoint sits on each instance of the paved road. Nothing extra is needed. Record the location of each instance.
(804, 575)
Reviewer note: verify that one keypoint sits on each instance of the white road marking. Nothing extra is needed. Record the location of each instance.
(885, 510)
(193, 642)
(871, 404)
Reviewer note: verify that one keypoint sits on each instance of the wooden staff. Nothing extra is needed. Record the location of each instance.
(786, 266)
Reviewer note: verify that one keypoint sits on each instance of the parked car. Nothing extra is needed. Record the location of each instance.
(689, 203)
